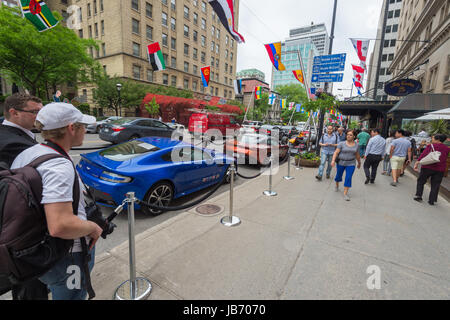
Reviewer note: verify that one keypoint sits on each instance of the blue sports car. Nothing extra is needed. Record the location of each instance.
(157, 169)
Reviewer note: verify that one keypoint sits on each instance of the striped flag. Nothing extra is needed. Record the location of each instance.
(291, 105)
(274, 51)
(298, 107)
(298, 74)
(155, 57)
(257, 93)
(358, 77)
(361, 46)
(225, 11)
(272, 98)
(206, 72)
(238, 86)
(39, 14)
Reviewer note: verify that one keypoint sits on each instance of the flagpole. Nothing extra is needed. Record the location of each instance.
(305, 80)
(248, 106)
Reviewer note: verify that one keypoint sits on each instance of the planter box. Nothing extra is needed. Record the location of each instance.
(307, 163)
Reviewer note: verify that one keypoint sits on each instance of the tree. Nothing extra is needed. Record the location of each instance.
(152, 107)
(438, 126)
(293, 93)
(261, 108)
(39, 61)
(107, 96)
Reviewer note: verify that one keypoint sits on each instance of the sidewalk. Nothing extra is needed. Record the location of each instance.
(305, 243)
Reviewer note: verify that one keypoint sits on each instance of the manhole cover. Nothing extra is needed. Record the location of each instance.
(208, 209)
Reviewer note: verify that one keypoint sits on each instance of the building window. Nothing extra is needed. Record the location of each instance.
(173, 23)
(173, 4)
(212, 61)
(226, 67)
(386, 43)
(135, 26)
(104, 49)
(203, 57)
(90, 31)
(217, 92)
(390, 14)
(186, 66)
(204, 6)
(186, 84)
(173, 62)
(217, 48)
(149, 75)
(164, 19)
(203, 24)
(195, 18)
(226, 54)
(212, 46)
(173, 43)
(231, 56)
(186, 49)
(194, 85)
(194, 69)
(195, 2)
(164, 39)
(165, 78)
(186, 12)
(226, 40)
(393, 43)
(382, 71)
(195, 36)
(173, 81)
(149, 32)
(384, 57)
(395, 28)
(135, 5)
(388, 29)
(164, 2)
(217, 63)
(102, 27)
(433, 77)
(101, 5)
(80, 15)
(213, 31)
(203, 41)
(217, 33)
(391, 57)
(186, 31)
(195, 53)
(397, 13)
(80, 33)
(148, 10)
(89, 10)
(136, 49)
(136, 72)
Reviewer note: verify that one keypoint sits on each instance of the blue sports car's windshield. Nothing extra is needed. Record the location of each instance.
(128, 150)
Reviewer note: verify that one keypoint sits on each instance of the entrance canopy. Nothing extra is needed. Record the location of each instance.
(422, 103)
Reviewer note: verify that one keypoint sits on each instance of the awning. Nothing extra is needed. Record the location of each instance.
(445, 111)
(425, 103)
(431, 117)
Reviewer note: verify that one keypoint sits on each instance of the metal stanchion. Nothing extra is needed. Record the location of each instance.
(269, 192)
(289, 177)
(230, 220)
(135, 288)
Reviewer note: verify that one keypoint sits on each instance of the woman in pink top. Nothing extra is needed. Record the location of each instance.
(434, 171)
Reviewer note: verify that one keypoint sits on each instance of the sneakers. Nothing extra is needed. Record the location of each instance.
(367, 181)
(394, 184)
(372, 181)
(328, 176)
(418, 199)
(319, 178)
(346, 197)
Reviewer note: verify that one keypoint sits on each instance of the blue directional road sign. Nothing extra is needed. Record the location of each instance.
(331, 77)
(330, 63)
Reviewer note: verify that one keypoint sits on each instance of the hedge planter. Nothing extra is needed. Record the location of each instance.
(307, 163)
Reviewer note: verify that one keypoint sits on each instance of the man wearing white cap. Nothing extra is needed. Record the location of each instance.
(63, 127)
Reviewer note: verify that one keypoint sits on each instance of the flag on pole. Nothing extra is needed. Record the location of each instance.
(206, 71)
(274, 51)
(298, 74)
(272, 98)
(155, 56)
(257, 93)
(361, 46)
(38, 13)
(225, 11)
(238, 86)
(283, 103)
(291, 105)
(358, 77)
(298, 107)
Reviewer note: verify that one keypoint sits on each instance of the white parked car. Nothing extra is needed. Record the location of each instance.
(95, 127)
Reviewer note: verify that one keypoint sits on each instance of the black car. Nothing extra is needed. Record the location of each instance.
(125, 129)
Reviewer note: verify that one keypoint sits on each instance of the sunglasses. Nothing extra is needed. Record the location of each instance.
(35, 112)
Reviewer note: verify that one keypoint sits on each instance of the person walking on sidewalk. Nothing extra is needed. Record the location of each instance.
(345, 156)
(374, 154)
(400, 149)
(363, 139)
(328, 142)
(341, 134)
(434, 171)
(387, 159)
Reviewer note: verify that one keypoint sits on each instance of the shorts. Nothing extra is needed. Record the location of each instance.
(397, 162)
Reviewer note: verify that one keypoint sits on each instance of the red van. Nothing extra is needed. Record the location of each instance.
(201, 122)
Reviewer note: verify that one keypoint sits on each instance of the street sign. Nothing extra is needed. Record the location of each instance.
(331, 67)
(331, 77)
(330, 59)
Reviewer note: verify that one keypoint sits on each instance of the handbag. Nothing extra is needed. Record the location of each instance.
(431, 158)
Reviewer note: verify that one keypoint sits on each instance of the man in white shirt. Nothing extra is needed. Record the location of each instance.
(63, 127)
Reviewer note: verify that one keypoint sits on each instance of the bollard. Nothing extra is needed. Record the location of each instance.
(135, 288)
(289, 177)
(230, 220)
(298, 167)
(269, 192)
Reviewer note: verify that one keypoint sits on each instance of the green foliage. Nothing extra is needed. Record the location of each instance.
(212, 108)
(152, 107)
(3, 97)
(84, 108)
(354, 125)
(293, 93)
(438, 126)
(39, 61)
(259, 112)
(309, 156)
(412, 126)
(169, 91)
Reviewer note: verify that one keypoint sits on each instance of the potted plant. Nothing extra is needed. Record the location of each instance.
(308, 159)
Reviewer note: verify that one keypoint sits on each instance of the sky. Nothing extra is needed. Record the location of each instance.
(265, 21)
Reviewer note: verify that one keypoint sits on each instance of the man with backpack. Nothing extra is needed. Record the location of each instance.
(328, 143)
(20, 112)
(63, 127)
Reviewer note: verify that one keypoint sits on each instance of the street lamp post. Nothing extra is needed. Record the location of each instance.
(119, 87)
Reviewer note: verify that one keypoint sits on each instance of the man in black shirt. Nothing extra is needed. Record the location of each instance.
(20, 112)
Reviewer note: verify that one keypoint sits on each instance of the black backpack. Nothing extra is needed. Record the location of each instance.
(27, 251)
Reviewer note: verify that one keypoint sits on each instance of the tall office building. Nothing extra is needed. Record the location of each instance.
(189, 32)
(428, 62)
(317, 33)
(290, 58)
(384, 51)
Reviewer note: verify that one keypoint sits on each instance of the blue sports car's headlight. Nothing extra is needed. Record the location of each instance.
(114, 177)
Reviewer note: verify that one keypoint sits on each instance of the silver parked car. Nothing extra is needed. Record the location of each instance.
(95, 127)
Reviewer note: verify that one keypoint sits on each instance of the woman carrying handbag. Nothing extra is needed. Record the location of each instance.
(433, 163)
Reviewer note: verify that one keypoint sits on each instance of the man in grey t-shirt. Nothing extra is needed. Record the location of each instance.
(400, 149)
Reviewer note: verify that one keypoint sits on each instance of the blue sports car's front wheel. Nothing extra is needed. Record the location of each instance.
(161, 194)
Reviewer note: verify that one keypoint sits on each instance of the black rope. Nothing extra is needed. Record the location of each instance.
(186, 206)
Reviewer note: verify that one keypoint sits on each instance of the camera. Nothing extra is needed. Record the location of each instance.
(94, 214)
